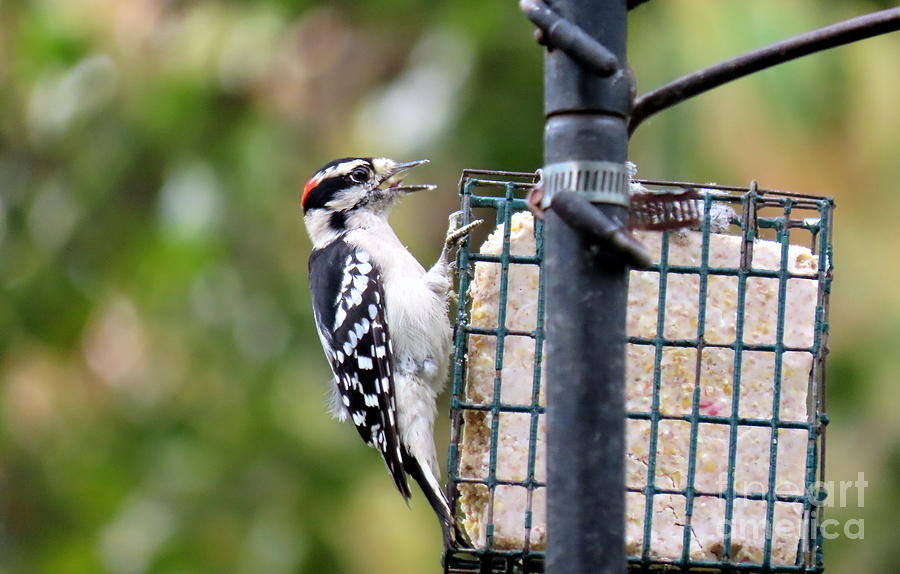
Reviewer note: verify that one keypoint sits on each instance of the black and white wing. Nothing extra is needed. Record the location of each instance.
(349, 308)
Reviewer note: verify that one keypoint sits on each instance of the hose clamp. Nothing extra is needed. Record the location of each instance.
(596, 181)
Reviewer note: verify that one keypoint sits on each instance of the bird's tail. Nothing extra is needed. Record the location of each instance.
(453, 534)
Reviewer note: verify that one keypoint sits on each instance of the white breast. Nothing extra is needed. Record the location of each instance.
(417, 316)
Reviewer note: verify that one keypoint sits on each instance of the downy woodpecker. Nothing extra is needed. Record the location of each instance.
(382, 318)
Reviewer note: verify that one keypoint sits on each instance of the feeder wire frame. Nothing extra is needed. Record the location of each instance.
(504, 193)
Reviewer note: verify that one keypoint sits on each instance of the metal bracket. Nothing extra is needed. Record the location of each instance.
(558, 32)
(664, 210)
(601, 228)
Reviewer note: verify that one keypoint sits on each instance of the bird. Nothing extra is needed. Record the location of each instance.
(382, 318)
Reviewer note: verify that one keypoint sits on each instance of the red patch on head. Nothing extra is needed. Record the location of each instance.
(310, 185)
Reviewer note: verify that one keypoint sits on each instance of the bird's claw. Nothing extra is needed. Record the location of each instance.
(455, 233)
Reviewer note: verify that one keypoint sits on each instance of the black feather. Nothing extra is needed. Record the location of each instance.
(326, 189)
(349, 308)
(453, 535)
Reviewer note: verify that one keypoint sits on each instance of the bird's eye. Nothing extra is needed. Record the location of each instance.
(359, 175)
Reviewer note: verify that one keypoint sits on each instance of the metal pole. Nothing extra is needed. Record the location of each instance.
(686, 87)
(587, 121)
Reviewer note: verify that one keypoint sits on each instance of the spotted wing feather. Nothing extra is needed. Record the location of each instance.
(349, 305)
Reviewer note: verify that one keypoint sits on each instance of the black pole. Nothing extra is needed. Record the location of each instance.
(586, 133)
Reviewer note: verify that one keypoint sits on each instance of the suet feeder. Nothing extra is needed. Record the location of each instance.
(725, 384)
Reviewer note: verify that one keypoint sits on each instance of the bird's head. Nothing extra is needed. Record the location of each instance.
(346, 192)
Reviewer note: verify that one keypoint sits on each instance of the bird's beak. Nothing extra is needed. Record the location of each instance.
(394, 178)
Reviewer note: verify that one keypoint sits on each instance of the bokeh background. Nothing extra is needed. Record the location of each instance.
(161, 383)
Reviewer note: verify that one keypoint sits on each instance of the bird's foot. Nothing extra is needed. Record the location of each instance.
(456, 233)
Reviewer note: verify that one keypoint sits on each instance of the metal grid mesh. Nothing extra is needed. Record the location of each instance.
(774, 215)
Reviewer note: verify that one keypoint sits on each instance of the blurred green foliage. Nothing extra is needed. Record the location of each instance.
(161, 385)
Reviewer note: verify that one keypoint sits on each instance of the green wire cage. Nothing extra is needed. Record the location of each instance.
(726, 384)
